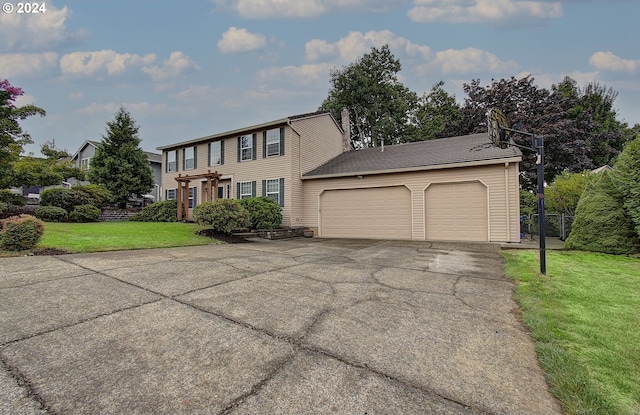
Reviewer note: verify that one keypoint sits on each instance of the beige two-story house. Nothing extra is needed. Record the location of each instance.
(261, 160)
(453, 189)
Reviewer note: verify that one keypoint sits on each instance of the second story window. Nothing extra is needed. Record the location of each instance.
(273, 142)
(172, 161)
(216, 153)
(85, 163)
(190, 158)
(246, 147)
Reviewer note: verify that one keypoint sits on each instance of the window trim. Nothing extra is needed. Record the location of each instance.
(185, 159)
(252, 187)
(265, 142)
(192, 197)
(211, 147)
(85, 163)
(265, 185)
(166, 194)
(168, 163)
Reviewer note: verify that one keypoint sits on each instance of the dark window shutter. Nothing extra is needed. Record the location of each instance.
(281, 192)
(195, 157)
(264, 188)
(222, 152)
(239, 150)
(264, 144)
(166, 163)
(255, 143)
(238, 192)
(253, 188)
(282, 141)
(177, 159)
(184, 154)
(209, 157)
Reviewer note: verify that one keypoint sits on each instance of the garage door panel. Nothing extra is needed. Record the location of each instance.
(456, 212)
(376, 213)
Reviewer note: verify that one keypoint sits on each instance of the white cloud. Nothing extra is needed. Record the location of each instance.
(470, 60)
(35, 32)
(26, 64)
(101, 62)
(240, 40)
(135, 108)
(480, 11)
(608, 61)
(266, 9)
(356, 44)
(308, 75)
(177, 64)
(23, 100)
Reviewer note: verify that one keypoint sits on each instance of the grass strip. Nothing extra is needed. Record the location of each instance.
(584, 316)
(114, 236)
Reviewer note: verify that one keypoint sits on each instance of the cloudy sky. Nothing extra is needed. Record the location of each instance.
(185, 69)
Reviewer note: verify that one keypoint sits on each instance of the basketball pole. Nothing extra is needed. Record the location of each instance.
(538, 143)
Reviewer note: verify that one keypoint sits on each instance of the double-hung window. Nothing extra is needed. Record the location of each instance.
(192, 198)
(274, 188)
(85, 163)
(273, 142)
(216, 153)
(170, 194)
(246, 190)
(172, 161)
(246, 147)
(189, 158)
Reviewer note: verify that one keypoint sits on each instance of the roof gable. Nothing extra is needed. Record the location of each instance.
(422, 155)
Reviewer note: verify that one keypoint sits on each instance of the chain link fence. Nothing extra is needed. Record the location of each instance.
(558, 225)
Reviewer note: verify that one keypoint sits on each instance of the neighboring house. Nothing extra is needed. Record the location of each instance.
(458, 189)
(86, 152)
(600, 169)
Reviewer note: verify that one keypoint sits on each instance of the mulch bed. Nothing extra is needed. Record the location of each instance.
(224, 237)
(50, 251)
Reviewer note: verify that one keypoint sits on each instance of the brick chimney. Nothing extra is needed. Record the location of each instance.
(346, 130)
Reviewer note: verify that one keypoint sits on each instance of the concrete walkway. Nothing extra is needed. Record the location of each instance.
(305, 326)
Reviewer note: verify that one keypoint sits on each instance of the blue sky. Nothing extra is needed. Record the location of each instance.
(186, 69)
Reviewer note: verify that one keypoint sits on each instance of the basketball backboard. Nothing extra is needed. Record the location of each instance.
(496, 124)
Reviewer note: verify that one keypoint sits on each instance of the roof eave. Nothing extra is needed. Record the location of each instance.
(417, 168)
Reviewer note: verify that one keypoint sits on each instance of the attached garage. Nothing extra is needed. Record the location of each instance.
(369, 213)
(452, 189)
(457, 212)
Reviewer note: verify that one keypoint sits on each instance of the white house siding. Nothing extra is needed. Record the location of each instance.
(500, 227)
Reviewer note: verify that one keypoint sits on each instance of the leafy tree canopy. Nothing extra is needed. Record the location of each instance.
(563, 194)
(379, 105)
(52, 170)
(12, 138)
(435, 113)
(119, 163)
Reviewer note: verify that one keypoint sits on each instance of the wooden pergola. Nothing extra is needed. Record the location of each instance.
(183, 191)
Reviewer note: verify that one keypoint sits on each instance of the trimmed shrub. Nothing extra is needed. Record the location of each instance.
(85, 213)
(264, 212)
(136, 217)
(20, 233)
(58, 197)
(601, 223)
(6, 196)
(51, 214)
(97, 195)
(223, 215)
(165, 211)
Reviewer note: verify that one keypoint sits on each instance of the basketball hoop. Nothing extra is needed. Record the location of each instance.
(496, 125)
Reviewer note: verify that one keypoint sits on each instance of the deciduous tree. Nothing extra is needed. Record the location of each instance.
(379, 105)
(12, 138)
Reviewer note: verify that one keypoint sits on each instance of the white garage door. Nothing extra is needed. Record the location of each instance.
(457, 212)
(375, 213)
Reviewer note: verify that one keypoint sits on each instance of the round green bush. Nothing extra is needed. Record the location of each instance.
(601, 223)
(85, 213)
(165, 211)
(136, 217)
(6, 196)
(264, 212)
(51, 214)
(92, 194)
(20, 233)
(223, 215)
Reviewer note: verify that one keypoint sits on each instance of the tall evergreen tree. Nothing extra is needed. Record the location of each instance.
(119, 163)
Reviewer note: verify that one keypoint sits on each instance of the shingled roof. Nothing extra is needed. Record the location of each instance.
(422, 155)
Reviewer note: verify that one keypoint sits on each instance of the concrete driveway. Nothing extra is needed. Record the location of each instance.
(305, 326)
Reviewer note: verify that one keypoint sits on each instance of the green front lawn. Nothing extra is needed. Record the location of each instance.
(584, 316)
(114, 236)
